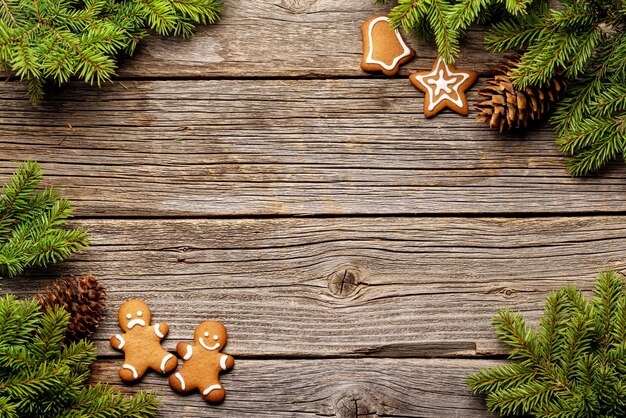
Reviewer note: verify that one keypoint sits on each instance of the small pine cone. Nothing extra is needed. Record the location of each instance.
(83, 298)
(507, 108)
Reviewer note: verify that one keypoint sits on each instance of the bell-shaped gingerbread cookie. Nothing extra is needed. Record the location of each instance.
(203, 362)
(141, 342)
(383, 47)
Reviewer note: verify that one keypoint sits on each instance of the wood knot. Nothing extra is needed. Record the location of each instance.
(343, 282)
(357, 402)
(506, 292)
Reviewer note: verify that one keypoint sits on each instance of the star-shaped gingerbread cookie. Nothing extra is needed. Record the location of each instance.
(444, 86)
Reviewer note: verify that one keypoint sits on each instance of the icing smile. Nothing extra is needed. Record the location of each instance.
(215, 347)
(136, 322)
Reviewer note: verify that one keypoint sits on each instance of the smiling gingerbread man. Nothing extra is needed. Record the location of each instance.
(141, 342)
(203, 362)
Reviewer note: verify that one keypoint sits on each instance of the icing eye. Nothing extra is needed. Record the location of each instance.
(215, 337)
(128, 316)
(206, 334)
(139, 313)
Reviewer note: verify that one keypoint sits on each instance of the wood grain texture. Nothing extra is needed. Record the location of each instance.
(382, 287)
(285, 147)
(343, 388)
(283, 38)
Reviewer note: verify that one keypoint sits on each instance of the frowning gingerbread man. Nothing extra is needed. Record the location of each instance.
(141, 342)
(203, 362)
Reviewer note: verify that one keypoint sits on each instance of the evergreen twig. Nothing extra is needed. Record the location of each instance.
(573, 366)
(33, 224)
(50, 41)
(583, 41)
(41, 376)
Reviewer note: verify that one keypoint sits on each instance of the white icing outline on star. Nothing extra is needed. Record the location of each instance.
(436, 72)
(370, 56)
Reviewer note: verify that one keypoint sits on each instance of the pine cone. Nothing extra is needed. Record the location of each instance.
(507, 108)
(84, 299)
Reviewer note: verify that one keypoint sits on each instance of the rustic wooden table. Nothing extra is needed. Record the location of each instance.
(355, 250)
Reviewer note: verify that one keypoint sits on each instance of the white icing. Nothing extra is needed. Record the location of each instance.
(128, 316)
(121, 339)
(442, 71)
(211, 388)
(181, 380)
(370, 56)
(223, 361)
(136, 322)
(206, 334)
(139, 313)
(166, 358)
(442, 83)
(215, 347)
(157, 331)
(132, 369)
(216, 337)
(189, 353)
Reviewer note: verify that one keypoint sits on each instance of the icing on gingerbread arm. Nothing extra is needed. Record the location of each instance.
(161, 329)
(227, 362)
(185, 350)
(118, 342)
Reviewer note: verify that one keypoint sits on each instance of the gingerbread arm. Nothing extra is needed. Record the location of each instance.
(226, 362)
(185, 350)
(161, 329)
(118, 342)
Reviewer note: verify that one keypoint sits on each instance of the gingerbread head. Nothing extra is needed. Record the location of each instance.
(211, 335)
(141, 342)
(132, 313)
(203, 362)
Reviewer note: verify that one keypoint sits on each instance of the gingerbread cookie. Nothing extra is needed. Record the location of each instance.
(203, 362)
(444, 86)
(141, 342)
(383, 47)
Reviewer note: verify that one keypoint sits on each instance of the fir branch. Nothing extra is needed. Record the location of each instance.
(50, 42)
(573, 109)
(551, 334)
(580, 43)
(445, 37)
(593, 144)
(576, 365)
(512, 330)
(499, 378)
(33, 224)
(40, 376)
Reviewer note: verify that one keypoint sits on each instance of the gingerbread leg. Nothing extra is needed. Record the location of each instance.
(131, 372)
(213, 393)
(179, 383)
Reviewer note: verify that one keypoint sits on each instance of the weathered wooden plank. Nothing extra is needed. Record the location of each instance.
(267, 147)
(384, 287)
(283, 38)
(344, 388)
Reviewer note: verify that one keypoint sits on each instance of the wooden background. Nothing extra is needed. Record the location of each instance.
(355, 251)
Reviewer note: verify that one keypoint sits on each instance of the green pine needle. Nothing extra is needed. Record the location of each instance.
(41, 376)
(33, 230)
(573, 366)
(582, 41)
(51, 41)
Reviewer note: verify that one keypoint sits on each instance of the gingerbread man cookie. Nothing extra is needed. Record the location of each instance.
(203, 362)
(383, 47)
(141, 342)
